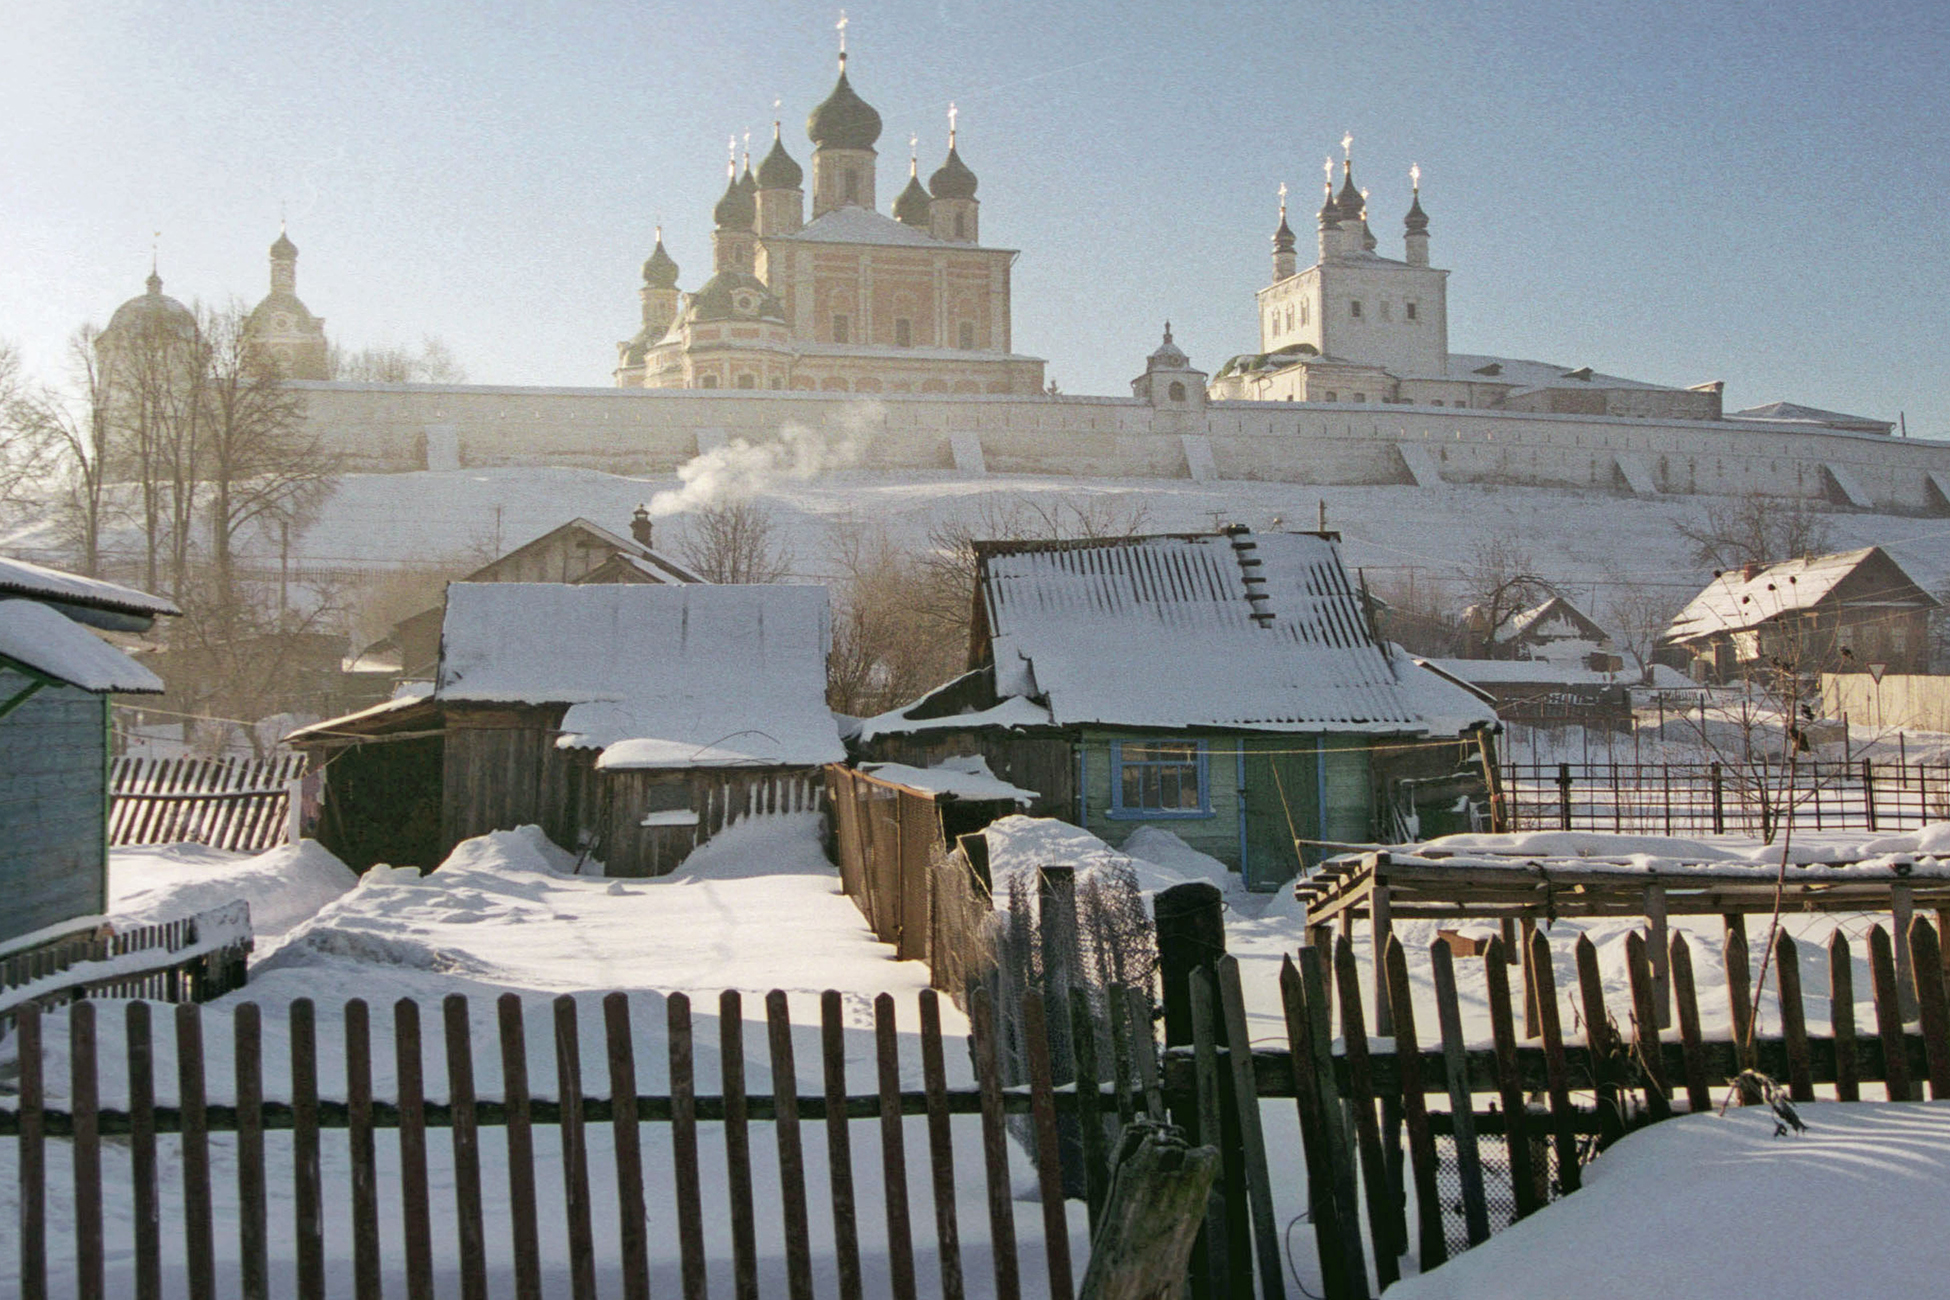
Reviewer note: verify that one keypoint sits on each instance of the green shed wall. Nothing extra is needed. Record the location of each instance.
(53, 806)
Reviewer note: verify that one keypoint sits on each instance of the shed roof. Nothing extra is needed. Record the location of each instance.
(21, 578)
(1739, 599)
(691, 675)
(1237, 630)
(41, 638)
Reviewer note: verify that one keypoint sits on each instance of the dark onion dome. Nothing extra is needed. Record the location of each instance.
(735, 295)
(1350, 202)
(1168, 356)
(659, 270)
(748, 182)
(1330, 215)
(952, 180)
(911, 208)
(843, 120)
(1417, 221)
(778, 171)
(1368, 241)
(284, 250)
(1283, 238)
(152, 310)
(736, 210)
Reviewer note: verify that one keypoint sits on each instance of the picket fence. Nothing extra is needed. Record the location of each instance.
(226, 803)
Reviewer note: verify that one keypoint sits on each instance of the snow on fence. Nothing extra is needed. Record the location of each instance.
(1725, 798)
(195, 959)
(226, 803)
(990, 1260)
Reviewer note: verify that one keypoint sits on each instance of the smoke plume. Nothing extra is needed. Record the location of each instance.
(740, 469)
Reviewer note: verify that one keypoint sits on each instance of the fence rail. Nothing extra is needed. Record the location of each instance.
(193, 959)
(1757, 798)
(226, 803)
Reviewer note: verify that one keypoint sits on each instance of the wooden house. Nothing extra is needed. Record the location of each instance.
(630, 722)
(1227, 687)
(56, 677)
(1840, 613)
(576, 552)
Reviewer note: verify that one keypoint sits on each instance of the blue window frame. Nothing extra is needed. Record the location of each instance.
(1159, 778)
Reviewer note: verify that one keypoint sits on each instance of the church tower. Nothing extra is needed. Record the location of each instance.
(1415, 226)
(1285, 256)
(953, 214)
(843, 129)
(733, 242)
(281, 327)
(781, 201)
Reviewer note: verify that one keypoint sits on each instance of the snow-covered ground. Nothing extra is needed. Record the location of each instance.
(758, 908)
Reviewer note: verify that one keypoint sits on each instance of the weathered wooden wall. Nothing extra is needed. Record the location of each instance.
(717, 796)
(53, 806)
(1043, 763)
(492, 773)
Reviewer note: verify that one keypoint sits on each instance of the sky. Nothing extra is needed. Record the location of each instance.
(1750, 192)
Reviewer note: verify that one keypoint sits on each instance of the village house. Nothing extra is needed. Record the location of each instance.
(630, 722)
(56, 679)
(579, 552)
(1227, 687)
(1856, 611)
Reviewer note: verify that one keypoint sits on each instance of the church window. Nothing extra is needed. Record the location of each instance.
(708, 381)
(1354, 308)
(968, 336)
(1408, 310)
(1436, 402)
(1385, 309)
(1176, 392)
(1303, 311)
(748, 381)
(903, 332)
(1360, 397)
(777, 382)
(961, 225)
(852, 185)
(1332, 396)
(840, 327)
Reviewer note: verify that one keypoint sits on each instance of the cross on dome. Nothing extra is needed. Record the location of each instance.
(953, 112)
(1415, 175)
(1347, 144)
(840, 26)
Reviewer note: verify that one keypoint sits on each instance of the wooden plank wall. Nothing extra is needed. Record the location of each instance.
(53, 800)
(227, 803)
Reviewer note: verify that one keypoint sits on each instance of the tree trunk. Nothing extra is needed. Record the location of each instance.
(1157, 1202)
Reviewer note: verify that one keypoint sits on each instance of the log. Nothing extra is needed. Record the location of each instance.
(1157, 1198)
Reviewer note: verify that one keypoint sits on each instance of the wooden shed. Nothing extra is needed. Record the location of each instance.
(1227, 687)
(630, 722)
(56, 679)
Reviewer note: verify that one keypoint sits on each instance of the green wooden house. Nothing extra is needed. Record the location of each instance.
(1228, 687)
(56, 677)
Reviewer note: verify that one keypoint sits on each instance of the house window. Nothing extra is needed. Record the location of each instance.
(903, 332)
(1408, 309)
(1159, 778)
(968, 336)
(1354, 308)
(840, 325)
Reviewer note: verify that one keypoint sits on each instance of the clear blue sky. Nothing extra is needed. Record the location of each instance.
(1752, 192)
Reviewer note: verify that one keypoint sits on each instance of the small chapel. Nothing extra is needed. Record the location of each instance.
(853, 300)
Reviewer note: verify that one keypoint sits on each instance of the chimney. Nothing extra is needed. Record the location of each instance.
(640, 526)
(1750, 570)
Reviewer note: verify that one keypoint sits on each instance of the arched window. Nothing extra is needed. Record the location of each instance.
(903, 332)
(961, 225)
(840, 327)
(968, 336)
(1176, 392)
(851, 179)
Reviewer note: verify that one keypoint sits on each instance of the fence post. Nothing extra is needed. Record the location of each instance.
(1719, 800)
(1564, 796)
(1869, 791)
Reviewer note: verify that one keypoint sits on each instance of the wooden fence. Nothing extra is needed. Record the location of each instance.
(1714, 798)
(226, 803)
(928, 900)
(84, 1125)
(194, 959)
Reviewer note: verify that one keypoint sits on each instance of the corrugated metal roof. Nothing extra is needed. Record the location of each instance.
(1241, 630)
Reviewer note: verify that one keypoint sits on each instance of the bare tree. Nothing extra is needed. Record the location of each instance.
(1637, 615)
(26, 443)
(392, 363)
(76, 428)
(734, 541)
(885, 653)
(1756, 529)
(1499, 581)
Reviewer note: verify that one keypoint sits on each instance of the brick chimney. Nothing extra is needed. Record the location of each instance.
(640, 526)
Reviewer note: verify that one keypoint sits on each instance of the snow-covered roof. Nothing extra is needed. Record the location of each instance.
(1791, 413)
(857, 225)
(1734, 601)
(20, 578)
(1498, 672)
(1519, 373)
(655, 676)
(1242, 630)
(43, 639)
(963, 777)
(1576, 624)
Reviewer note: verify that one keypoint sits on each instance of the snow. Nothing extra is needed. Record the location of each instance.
(284, 886)
(1859, 1205)
(1157, 857)
(655, 676)
(857, 225)
(963, 777)
(1177, 631)
(19, 577)
(1733, 601)
(47, 641)
(1014, 711)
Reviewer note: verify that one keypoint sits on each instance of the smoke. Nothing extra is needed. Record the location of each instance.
(740, 469)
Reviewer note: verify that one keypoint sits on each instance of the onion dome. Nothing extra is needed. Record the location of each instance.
(843, 120)
(284, 250)
(1330, 215)
(1368, 241)
(735, 295)
(1283, 238)
(778, 171)
(952, 180)
(911, 208)
(748, 182)
(1168, 356)
(660, 271)
(736, 210)
(153, 310)
(1417, 221)
(1350, 202)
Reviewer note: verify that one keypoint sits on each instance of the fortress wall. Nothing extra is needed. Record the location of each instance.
(650, 431)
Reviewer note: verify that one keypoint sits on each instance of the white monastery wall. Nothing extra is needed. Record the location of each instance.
(650, 431)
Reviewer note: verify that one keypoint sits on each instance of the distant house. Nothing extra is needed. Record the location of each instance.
(1555, 630)
(1545, 692)
(628, 721)
(576, 552)
(56, 677)
(1227, 687)
(1826, 613)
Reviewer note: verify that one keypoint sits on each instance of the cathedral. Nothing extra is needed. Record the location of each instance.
(853, 300)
